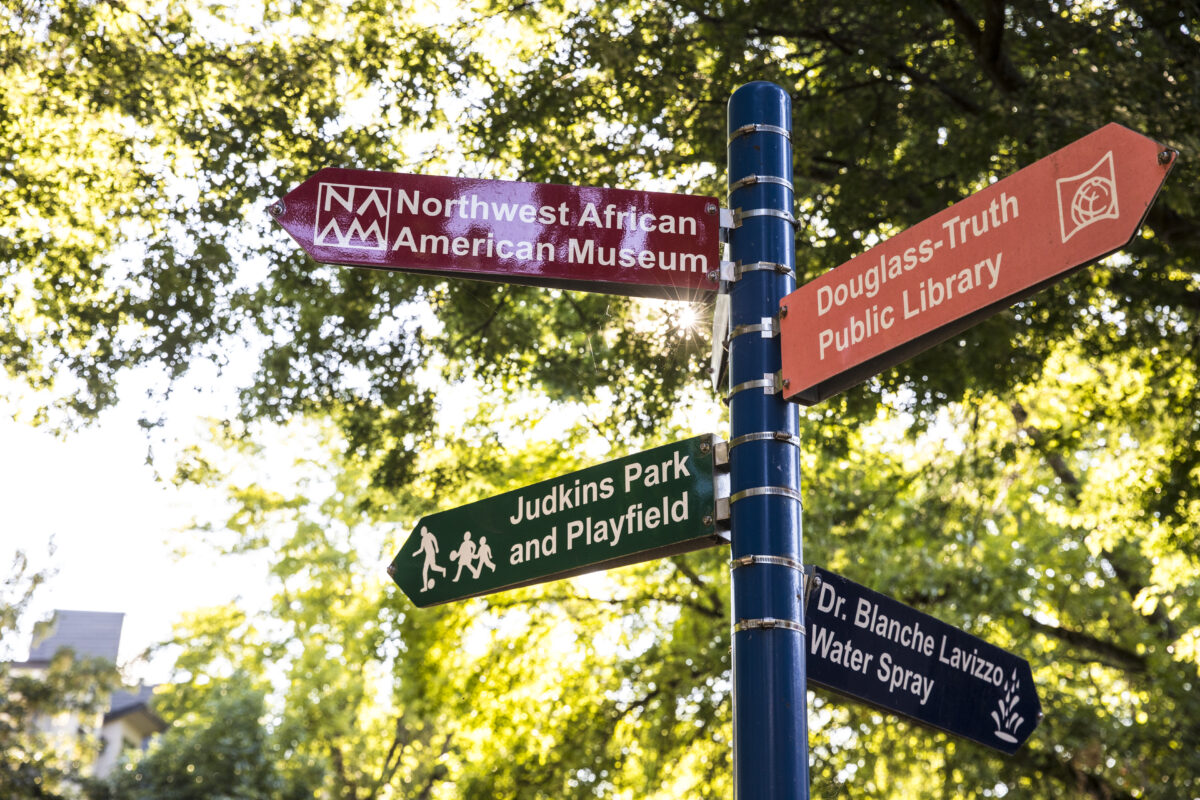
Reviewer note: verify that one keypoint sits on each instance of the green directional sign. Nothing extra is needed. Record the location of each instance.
(645, 506)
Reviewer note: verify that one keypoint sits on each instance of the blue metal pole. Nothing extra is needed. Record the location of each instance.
(770, 715)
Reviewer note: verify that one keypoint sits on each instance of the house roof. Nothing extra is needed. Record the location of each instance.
(135, 704)
(124, 699)
(88, 633)
(95, 634)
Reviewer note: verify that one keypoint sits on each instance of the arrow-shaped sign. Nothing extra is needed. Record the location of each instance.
(617, 241)
(960, 266)
(653, 504)
(868, 646)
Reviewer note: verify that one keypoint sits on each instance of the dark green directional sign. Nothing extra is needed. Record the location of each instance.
(645, 506)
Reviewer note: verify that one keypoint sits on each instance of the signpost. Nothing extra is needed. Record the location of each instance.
(878, 650)
(979, 256)
(770, 720)
(924, 285)
(653, 504)
(601, 240)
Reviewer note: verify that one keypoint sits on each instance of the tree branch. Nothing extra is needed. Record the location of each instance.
(1106, 653)
(1070, 774)
(434, 776)
(714, 607)
(483, 326)
(346, 789)
(1054, 459)
(1125, 574)
(918, 78)
(566, 596)
(388, 769)
(987, 43)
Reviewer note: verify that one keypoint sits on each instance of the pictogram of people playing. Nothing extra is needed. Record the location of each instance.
(473, 557)
(428, 548)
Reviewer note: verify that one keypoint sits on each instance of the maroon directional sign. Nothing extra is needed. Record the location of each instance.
(979, 256)
(602, 240)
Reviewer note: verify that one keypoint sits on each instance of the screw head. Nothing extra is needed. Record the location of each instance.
(391, 570)
(1164, 157)
(276, 208)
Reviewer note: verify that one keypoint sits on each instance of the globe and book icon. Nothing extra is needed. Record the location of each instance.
(1088, 197)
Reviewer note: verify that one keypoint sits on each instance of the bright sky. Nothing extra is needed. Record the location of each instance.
(115, 528)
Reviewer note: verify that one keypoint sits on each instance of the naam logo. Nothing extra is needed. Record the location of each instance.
(352, 216)
(1088, 197)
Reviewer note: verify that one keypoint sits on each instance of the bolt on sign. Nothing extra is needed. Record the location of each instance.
(645, 506)
(867, 646)
(615, 241)
(962, 265)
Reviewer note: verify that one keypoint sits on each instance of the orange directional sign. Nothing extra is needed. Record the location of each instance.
(962, 265)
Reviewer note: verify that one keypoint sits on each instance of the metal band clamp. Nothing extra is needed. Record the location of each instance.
(740, 214)
(733, 271)
(721, 456)
(722, 510)
(810, 579)
(766, 436)
(758, 266)
(758, 491)
(768, 622)
(752, 180)
(767, 328)
(760, 128)
(766, 382)
(780, 561)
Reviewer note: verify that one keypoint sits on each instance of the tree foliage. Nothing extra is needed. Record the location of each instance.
(1033, 481)
(570, 690)
(47, 713)
(218, 748)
